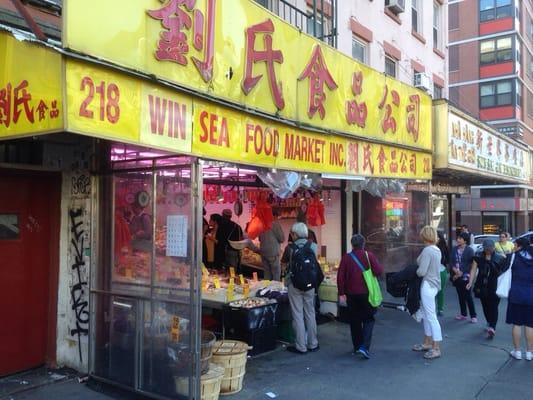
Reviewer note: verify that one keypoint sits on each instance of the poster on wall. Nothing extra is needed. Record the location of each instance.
(475, 148)
(177, 226)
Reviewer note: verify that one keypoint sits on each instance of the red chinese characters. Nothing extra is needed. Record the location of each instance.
(16, 105)
(393, 165)
(21, 97)
(318, 74)
(368, 163)
(353, 157)
(382, 158)
(412, 163)
(268, 56)
(413, 116)
(427, 165)
(356, 112)
(173, 45)
(403, 162)
(389, 122)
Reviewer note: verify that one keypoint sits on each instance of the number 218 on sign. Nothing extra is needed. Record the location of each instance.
(109, 95)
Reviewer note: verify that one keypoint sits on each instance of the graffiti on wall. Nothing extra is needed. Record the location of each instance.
(81, 185)
(79, 287)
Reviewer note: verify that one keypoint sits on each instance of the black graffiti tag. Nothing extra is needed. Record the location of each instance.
(80, 305)
(81, 185)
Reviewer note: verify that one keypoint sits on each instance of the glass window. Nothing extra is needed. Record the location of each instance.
(415, 13)
(518, 94)
(496, 50)
(495, 9)
(390, 66)
(453, 16)
(359, 49)
(453, 61)
(319, 28)
(437, 92)
(496, 94)
(530, 105)
(436, 25)
(9, 227)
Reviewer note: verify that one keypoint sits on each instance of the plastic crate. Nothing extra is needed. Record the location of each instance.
(239, 319)
(285, 332)
(328, 293)
(262, 340)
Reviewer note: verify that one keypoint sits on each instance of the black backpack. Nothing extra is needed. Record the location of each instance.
(305, 271)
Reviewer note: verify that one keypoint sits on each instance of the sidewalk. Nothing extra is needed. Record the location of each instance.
(471, 367)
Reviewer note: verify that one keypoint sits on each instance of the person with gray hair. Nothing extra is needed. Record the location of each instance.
(354, 292)
(302, 302)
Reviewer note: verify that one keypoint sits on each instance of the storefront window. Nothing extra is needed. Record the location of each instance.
(495, 222)
(391, 226)
(145, 286)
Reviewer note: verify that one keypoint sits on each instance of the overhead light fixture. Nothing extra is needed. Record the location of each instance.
(345, 177)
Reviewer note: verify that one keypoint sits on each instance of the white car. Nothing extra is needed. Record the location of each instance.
(478, 241)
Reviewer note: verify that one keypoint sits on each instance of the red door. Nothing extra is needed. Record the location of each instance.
(26, 248)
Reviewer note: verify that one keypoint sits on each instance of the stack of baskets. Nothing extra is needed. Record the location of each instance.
(231, 354)
(223, 366)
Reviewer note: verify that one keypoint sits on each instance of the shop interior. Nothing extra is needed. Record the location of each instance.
(146, 285)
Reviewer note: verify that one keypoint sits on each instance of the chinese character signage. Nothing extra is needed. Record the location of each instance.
(477, 149)
(109, 104)
(237, 51)
(30, 89)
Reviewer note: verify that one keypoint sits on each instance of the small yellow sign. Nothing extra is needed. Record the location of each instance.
(241, 278)
(232, 272)
(246, 290)
(216, 281)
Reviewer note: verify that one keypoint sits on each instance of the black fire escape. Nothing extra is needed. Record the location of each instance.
(322, 25)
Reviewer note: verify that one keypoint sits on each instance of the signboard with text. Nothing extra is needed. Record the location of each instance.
(30, 89)
(478, 149)
(105, 103)
(238, 51)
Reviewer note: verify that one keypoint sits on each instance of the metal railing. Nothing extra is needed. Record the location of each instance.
(323, 26)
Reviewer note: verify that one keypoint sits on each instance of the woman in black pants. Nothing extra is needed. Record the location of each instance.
(460, 265)
(485, 270)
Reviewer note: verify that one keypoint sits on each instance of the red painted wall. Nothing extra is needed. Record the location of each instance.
(487, 71)
(503, 112)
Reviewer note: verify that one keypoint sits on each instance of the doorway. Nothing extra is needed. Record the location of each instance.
(29, 245)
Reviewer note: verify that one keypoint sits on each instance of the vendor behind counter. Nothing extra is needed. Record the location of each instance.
(226, 231)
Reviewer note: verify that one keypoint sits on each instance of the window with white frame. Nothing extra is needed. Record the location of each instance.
(390, 66)
(496, 94)
(436, 25)
(360, 50)
(437, 91)
(496, 50)
(416, 16)
(495, 9)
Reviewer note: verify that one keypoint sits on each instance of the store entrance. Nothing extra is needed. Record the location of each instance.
(26, 242)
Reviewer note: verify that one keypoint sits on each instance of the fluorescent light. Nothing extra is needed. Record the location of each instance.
(346, 177)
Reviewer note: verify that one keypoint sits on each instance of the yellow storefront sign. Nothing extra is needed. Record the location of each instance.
(104, 103)
(30, 89)
(238, 51)
(223, 134)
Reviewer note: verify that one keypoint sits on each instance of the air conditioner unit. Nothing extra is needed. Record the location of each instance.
(422, 81)
(396, 6)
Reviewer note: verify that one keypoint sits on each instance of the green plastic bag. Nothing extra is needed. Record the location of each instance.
(374, 290)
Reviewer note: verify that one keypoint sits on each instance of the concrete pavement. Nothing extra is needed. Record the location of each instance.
(471, 367)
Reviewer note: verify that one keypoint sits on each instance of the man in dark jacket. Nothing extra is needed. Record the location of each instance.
(229, 230)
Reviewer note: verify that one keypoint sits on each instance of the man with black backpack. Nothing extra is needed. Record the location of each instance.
(303, 277)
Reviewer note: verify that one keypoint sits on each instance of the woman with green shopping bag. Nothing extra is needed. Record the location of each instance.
(354, 291)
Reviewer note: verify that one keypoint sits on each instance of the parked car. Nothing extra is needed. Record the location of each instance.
(478, 241)
(528, 235)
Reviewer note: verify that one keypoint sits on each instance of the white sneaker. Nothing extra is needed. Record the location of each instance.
(529, 355)
(516, 354)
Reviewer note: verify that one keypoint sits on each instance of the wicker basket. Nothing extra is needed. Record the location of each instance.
(231, 354)
(209, 383)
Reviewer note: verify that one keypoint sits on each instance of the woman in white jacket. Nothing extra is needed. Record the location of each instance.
(428, 269)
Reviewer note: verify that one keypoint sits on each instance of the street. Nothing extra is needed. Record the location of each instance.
(471, 366)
